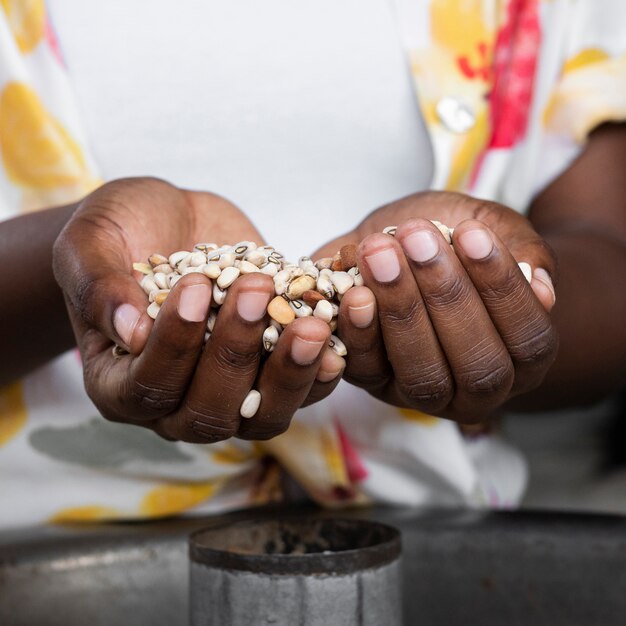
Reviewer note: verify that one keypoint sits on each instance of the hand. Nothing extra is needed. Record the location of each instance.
(169, 382)
(451, 331)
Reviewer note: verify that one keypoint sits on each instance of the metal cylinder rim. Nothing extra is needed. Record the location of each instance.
(340, 562)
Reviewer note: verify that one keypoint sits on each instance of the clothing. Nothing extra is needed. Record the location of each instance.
(523, 80)
(284, 137)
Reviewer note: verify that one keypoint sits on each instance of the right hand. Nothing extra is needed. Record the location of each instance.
(453, 331)
(169, 382)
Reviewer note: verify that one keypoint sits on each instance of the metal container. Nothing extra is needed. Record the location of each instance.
(296, 571)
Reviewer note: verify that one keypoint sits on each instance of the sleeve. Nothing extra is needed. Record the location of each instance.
(591, 84)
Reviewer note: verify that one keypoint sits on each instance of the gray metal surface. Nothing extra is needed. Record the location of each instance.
(458, 568)
(296, 571)
(233, 598)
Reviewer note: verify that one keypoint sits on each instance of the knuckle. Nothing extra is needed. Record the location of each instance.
(212, 428)
(184, 428)
(499, 294)
(453, 290)
(232, 356)
(490, 377)
(398, 319)
(153, 400)
(427, 392)
(537, 348)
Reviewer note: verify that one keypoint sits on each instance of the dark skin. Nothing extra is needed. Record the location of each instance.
(508, 341)
(582, 215)
(508, 344)
(592, 347)
(480, 333)
(168, 382)
(26, 251)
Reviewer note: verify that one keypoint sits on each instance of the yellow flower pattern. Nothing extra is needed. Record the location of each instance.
(26, 20)
(173, 498)
(418, 417)
(36, 150)
(324, 474)
(583, 58)
(462, 34)
(230, 454)
(465, 42)
(592, 89)
(13, 412)
(88, 513)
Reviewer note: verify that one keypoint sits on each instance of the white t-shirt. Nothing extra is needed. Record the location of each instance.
(293, 110)
(288, 108)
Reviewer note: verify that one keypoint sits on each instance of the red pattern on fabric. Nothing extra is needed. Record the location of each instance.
(354, 466)
(53, 42)
(481, 72)
(515, 63)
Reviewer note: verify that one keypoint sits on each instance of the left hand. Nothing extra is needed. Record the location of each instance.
(171, 381)
(453, 331)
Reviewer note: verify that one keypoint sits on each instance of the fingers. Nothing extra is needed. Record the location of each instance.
(160, 376)
(461, 326)
(422, 377)
(142, 389)
(287, 377)
(227, 367)
(366, 363)
(477, 356)
(525, 245)
(521, 320)
(186, 392)
(328, 376)
(446, 354)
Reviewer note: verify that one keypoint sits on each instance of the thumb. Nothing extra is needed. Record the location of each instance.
(100, 289)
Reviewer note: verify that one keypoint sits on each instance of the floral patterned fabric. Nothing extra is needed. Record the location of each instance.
(509, 90)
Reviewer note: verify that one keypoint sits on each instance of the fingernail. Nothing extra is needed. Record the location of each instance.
(304, 352)
(332, 365)
(477, 243)
(252, 305)
(125, 319)
(421, 246)
(384, 265)
(361, 316)
(541, 275)
(193, 303)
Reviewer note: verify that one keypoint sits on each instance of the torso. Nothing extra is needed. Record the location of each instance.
(293, 110)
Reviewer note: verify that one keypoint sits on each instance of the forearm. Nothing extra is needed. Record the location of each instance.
(582, 215)
(34, 326)
(589, 315)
